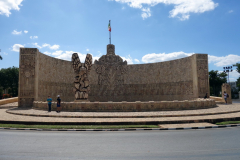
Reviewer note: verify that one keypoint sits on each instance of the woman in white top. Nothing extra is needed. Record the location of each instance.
(225, 96)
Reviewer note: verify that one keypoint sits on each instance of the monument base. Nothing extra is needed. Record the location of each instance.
(138, 106)
(82, 100)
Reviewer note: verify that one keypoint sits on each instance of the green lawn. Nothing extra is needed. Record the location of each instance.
(228, 122)
(76, 126)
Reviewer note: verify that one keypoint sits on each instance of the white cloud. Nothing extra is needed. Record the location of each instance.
(15, 32)
(87, 50)
(7, 5)
(57, 53)
(224, 61)
(136, 60)
(47, 53)
(36, 45)
(16, 47)
(33, 37)
(53, 47)
(182, 8)
(67, 55)
(146, 13)
(230, 11)
(160, 57)
(234, 74)
(128, 59)
(25, 31)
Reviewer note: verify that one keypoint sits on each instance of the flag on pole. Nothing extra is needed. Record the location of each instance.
(109, 27)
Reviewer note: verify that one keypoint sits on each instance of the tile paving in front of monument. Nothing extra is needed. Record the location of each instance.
(221, 112)
(221, 109)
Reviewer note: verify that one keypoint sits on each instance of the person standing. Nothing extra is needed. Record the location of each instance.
(58, 104)
(225, 95)
(49, 100)
(206, 96)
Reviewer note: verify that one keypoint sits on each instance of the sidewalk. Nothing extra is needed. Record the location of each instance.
(31, 116)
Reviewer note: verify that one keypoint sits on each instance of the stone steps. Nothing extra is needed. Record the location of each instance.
(220, 113)
(222, 109)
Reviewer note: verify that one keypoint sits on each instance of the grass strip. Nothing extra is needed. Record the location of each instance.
(76, 126)
(228, 122)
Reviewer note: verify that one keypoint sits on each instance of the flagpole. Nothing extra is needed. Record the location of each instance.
(110, 32)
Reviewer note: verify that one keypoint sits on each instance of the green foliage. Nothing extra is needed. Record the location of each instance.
(238, 67)
(228, 122)
(238, 70)
(9, 80)
(216, 80)
(238, 83)
(1, 57)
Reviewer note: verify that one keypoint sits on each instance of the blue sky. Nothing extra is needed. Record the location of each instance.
(143, 31)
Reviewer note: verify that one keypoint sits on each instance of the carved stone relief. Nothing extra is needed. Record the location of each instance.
(27, 73)
(81, 83)
(202, 76)
(110, 70)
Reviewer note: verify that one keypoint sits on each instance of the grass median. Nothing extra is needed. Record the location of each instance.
(228, 122)
(76, 126)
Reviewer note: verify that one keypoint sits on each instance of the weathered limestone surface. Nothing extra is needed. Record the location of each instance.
(81, 83)
(42, 75)
(181, 79)
(111, 79)
(137, 106)
(227, 88)
(8, 100)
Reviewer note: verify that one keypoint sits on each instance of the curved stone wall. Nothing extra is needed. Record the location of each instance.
(137, 106)
(55, 77)
(111, 79)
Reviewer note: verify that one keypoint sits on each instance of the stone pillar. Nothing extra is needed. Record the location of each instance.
(200, 75)
(27, 88)
(227, 88)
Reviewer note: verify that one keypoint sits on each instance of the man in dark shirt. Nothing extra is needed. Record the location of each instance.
(58, 104)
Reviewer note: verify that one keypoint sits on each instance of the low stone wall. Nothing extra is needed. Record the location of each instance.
(218, 99)
(8, 100)
(124, 106)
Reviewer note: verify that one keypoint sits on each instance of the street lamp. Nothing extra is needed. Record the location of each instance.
(227, 70)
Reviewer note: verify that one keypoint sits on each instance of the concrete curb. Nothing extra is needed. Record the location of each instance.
(127, 129)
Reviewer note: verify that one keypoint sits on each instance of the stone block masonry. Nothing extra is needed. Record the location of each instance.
(137, 106)
(111, 79)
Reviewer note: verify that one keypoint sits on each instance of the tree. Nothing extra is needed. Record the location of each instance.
(238, 67)
(215, 81)
(9, 80)
(0, 57)
(238, 70)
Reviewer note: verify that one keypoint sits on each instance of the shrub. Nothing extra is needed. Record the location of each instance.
(6, 96)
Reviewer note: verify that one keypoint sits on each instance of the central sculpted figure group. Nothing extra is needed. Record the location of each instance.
(81, 83)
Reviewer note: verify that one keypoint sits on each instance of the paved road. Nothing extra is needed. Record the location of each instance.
(209, 144)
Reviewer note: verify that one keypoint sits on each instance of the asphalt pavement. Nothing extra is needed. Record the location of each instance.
(205, 144)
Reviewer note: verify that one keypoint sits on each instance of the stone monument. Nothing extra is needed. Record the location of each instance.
(81, 83)
(227, 88)
(111, 78)
(110, 68)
